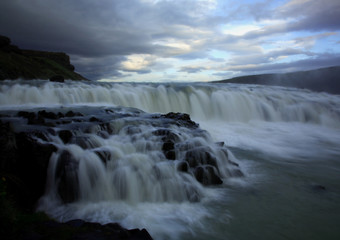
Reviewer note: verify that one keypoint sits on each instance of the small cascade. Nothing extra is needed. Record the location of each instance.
(123, 154)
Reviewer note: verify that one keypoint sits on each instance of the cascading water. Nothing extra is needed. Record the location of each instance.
(116, 163)
(203, 102)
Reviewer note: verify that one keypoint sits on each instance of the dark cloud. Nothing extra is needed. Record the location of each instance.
(101, 35)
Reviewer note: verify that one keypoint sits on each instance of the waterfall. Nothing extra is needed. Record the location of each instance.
(224, 102)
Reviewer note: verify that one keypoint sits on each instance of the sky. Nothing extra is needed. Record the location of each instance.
(179, 40)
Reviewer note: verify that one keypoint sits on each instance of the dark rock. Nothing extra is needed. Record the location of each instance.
(168, 150)
(207, 175)
(170, 155)
(60, 115)
(103, 155)
(79, 230)
(4, 41)
(65, 136)
(183, 166)
(73, 114)
(94, 119)
(84, 142)
(107, 127)
(27, 115)
(67, 173)
(182, 119)
(168, 146)
(32, 159)
(167, 135)
(57, 78)
(199, 156)
(49, 115)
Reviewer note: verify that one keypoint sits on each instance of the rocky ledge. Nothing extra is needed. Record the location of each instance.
(26, 146)
(16, 63)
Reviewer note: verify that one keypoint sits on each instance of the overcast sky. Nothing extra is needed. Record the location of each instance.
(179, 40)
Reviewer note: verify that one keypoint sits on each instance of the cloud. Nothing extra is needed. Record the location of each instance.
(139, 38)
(323, 60)
(192, 69)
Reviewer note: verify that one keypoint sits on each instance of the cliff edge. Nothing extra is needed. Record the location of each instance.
(29, 64)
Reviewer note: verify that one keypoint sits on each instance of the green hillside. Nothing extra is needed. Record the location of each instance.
(28, 64)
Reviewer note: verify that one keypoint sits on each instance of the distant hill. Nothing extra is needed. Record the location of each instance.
(320, 80)
(28, 64)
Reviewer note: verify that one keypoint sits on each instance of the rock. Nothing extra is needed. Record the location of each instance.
(183, 166)
(73, 114)
(182, 119)
(207, 175)
(32, 159)
(168, 146)
(57, 78)
(78, 229)
(168, 150)
(94, 119)
(103, 155)
(170, 155)
(167, 135)
(49, 115)
(200, 156)
(4, 41)
(65, 136)
(67, 173)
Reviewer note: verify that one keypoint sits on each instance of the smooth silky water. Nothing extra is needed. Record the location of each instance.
(286, 142)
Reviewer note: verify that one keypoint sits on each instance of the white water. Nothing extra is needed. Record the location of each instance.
(284, 140)
(230, 103)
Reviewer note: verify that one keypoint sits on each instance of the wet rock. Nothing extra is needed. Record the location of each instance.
(168, 146)
(170, 155)
(49, 115)
(183, 166)
(103, 155)
(199, 156)
(73, 114)
(168, 150)
(182, 119)
(166, 133)
(94, 119)
(84, 141)
(31, 161)
(207, 175)
(78, 229)
(67, 175)
(65, 136)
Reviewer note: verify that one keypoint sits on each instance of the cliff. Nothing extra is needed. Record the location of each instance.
(29, 64)
(319, 80)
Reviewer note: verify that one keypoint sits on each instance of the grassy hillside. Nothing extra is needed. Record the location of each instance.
(324, 79)
(28, 64)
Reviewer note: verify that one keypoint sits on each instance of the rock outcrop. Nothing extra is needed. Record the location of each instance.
(16, 63)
